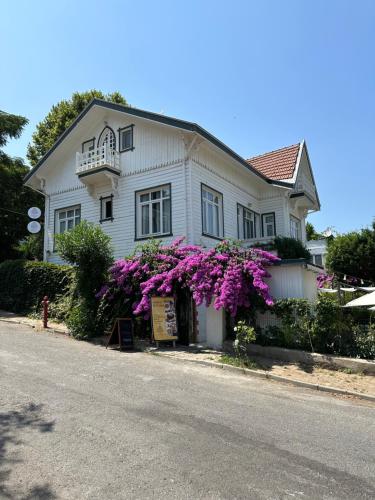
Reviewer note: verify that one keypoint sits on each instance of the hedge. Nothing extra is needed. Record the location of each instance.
(323, 327)
(23, 284)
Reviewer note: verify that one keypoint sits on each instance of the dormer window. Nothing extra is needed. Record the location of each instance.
(126, 138)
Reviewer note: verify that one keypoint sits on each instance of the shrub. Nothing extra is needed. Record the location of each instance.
(245, 335)
(290, 248)
(323, 327)
(23, 284)
(31, 247)
(88, 248)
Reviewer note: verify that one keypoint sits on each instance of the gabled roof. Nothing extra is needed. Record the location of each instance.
(279, 164)
(167, 120)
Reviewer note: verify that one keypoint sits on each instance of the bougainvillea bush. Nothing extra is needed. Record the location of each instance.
(227, 276)
(324, 280)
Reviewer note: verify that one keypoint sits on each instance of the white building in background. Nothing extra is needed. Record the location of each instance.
(142, 175)
(318, 250)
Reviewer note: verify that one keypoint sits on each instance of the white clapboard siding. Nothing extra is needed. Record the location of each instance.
(159, 157)
(122, 228)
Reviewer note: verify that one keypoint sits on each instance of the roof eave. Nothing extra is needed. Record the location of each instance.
(174, 122)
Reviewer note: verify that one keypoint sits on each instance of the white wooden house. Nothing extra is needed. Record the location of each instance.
(143, 175)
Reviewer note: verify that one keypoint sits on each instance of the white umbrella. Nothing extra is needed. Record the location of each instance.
(365, 300)
(371, 308)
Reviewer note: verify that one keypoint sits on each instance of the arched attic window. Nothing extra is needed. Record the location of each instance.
(108, 137)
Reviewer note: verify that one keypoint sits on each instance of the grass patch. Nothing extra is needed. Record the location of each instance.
(245, 362)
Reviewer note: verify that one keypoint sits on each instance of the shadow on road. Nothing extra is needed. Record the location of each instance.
(12, 423)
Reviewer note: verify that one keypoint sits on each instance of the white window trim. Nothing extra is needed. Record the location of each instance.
(295, 228)
(66, 219)
(254, 218)
(204, 207)
(265, 224)
(138, 225)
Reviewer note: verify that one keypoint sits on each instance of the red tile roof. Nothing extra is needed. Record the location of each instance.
(277, 165)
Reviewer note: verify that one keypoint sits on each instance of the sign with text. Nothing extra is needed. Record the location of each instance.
(122, 334)
(164, 320)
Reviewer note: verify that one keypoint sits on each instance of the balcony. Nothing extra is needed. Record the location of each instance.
(98, 166)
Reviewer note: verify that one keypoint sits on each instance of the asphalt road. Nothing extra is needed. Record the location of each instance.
(81, 422)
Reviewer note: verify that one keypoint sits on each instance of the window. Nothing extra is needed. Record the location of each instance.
(67, 218)
(153, 212)
(295, 228)
(247, 223)
(212, 212)
(318, 259)
(126, 138)
(268, 225)
(88, 145)
(106, 208)
(107, 138)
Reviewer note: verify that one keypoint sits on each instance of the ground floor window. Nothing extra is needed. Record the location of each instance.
(212, 212)
(247, 223)
(67, 218)
(268, 225)
(295, 228)
(153, 212)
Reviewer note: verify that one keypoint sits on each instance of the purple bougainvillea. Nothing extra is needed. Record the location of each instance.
(227, 276)
(324, 280)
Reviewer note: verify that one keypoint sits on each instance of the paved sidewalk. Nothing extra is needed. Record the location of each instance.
(10, 317)
(322, 377)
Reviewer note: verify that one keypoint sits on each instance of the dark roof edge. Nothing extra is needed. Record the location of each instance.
(174, 122)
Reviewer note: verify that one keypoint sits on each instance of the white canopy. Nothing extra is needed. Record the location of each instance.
(365, 300)
(372, 308)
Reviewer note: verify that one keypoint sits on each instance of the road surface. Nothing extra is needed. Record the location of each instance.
(81, 422)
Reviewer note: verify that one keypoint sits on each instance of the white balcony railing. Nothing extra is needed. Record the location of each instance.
(100, 157)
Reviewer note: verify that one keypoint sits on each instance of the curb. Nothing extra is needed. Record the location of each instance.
(270, 376)
(20, 322)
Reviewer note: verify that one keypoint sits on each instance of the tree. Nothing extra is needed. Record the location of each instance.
(15, 198)
(60, 118)
(311, 233)
(11, 127)
(353, 254)
(89, 249)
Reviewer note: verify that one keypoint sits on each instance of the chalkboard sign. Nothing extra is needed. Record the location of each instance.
(122, 334)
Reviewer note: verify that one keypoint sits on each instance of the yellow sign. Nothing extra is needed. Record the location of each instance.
(164, 321)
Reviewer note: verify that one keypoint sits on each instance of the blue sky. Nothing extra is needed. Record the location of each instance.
(257, 74)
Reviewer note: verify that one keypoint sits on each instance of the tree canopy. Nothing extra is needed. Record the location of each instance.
(11, 127)
(311, 233)
(15, 198)
(353, 254)
(58, 119)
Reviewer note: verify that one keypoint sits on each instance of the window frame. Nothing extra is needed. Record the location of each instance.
(102, 201)
(256, 226)
(274, 224)
(120, 131)
(293, 219)
(321, 257)
(221, 219)
(87, 142)
(137, 195)
(56, 211)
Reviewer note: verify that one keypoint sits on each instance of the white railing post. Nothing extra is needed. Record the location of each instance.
(103, 155)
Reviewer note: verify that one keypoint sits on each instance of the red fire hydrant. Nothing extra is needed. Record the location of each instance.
(45, 311)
